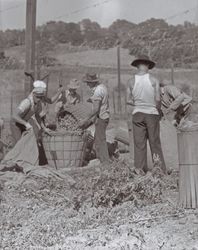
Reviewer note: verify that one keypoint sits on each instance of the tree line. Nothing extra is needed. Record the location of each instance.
(163, 42)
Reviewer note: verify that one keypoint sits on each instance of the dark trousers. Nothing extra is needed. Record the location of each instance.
(182, 111)
(146, 127)
(100, 140)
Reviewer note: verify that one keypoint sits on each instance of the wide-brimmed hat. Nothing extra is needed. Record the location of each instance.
(91, 78)
(73, 84)
(39, 92)
(143, 59)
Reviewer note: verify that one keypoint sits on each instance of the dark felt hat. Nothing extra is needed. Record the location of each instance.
(91, 78)
(143, 59)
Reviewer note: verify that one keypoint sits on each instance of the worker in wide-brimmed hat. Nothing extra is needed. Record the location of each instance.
(99, 115)
(143, 98)
(69, 96)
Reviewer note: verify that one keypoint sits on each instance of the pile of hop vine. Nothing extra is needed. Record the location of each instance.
(69, 123)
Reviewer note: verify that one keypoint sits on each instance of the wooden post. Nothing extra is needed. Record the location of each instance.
(131, 142)
(81, 94)
(47, 84)
(119, 81)
(11, 103)
(38, 62)
(30, 42)
(114, 105)
(125, 102)
(172, 73)
(60, 78)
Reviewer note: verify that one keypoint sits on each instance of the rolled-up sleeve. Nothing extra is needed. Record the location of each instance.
(24, 106)
(129, 96)
(98, 95)
(178, 96)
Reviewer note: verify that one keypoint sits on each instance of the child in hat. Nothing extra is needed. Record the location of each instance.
(68, 97)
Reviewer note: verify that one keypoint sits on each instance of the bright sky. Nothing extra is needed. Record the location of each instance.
(12, 14)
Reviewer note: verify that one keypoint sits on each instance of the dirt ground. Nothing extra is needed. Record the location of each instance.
(50, 213)
(96, 207)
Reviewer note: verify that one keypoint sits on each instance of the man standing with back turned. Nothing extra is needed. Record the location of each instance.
(143, 95)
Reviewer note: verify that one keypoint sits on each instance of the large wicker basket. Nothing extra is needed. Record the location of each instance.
(65, 149)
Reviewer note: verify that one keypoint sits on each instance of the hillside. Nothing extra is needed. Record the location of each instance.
(91, 57)
(165, 43)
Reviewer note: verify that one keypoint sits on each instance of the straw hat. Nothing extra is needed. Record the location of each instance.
(143, 59)
(73, 84)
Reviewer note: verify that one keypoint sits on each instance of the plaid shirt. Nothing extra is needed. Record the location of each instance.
(172, 97)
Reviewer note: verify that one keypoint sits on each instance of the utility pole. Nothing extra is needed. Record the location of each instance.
(196, 14)
(30, 37)
(172, 66)
(119, 80)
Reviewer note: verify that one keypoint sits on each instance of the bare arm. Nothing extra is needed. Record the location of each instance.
(177, 95)
(18, 118)
(129, 99)
(22, 109)
(54, 98)
(92, 115)
(156, 86)
(95, 110)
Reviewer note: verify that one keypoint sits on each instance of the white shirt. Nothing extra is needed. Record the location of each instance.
(29, 108)
(144, 95)
(172, 97)
(101, 94)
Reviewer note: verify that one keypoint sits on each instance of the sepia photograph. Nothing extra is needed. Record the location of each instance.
(98, 125)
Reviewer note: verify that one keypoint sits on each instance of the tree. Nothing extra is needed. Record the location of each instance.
(90, 30)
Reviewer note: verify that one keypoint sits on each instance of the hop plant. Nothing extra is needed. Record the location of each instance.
(69, 123)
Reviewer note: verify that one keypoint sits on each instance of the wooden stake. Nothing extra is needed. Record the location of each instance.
(38, 61)
(114, 105)
(60, 78)
(11, 104)
(125, 101)
(131, 142)
(119, 81)
(30, 42)
(172, 73)
(47, 84)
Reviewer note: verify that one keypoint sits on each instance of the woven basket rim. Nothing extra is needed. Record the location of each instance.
(187, 130)
(54, 133)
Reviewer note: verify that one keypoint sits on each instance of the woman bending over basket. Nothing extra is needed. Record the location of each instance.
(29, 115)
